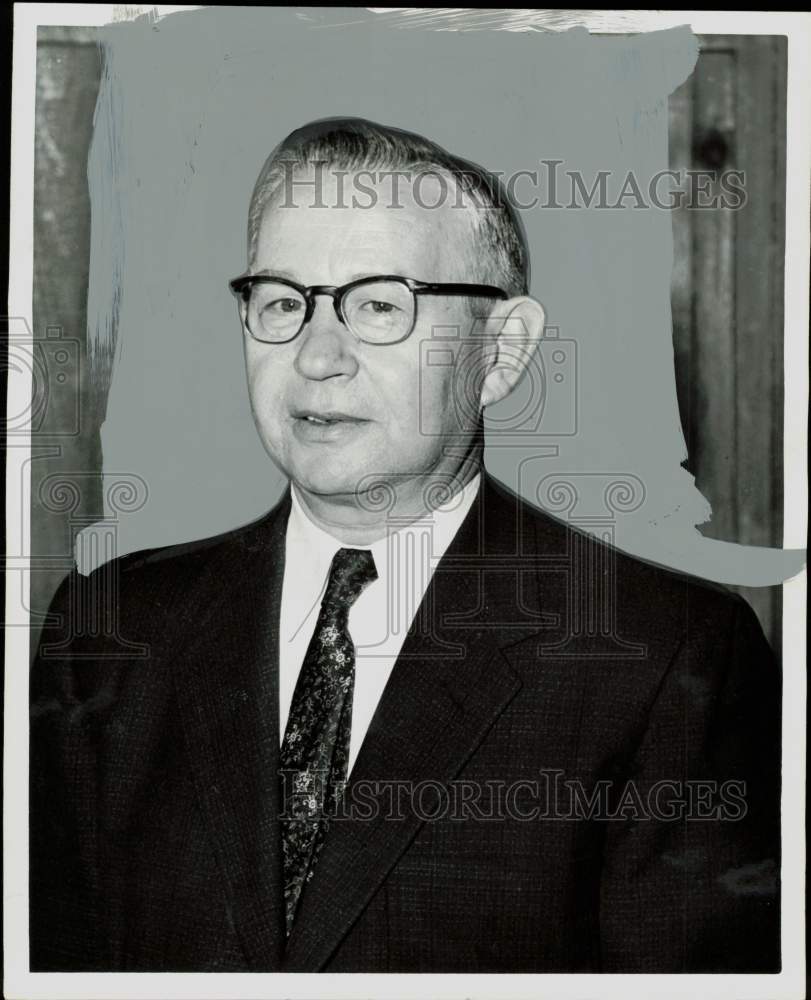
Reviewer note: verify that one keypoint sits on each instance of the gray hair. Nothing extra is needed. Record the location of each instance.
(355, 144)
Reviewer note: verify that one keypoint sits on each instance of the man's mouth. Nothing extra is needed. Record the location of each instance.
(326, 427)
(327, 418)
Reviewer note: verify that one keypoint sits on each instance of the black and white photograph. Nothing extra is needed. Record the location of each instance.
(406, 502)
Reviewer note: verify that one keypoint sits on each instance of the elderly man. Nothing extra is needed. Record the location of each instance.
(367, 732)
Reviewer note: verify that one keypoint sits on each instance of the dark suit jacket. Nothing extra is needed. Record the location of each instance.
(537, 650)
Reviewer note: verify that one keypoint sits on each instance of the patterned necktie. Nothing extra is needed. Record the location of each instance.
(315, 749)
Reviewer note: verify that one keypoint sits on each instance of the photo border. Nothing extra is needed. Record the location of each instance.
(19, 982)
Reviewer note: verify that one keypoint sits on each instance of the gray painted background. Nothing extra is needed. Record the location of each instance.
(188, 110)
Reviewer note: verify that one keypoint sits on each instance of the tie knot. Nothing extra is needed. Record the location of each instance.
(351, 571)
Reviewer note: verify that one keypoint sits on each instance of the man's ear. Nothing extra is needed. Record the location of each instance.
(518, 325)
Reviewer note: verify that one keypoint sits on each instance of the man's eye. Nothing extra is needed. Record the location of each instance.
(283, 306)
(378, 307)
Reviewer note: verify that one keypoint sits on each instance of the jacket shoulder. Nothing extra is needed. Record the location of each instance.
(181, 555)
(142, 593)
(651, 595)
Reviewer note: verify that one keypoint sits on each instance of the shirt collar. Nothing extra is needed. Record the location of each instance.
(310, 549)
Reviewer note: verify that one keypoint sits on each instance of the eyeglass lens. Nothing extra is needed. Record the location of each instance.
(378, 312)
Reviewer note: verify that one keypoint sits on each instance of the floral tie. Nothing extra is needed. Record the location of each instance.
(315, 749)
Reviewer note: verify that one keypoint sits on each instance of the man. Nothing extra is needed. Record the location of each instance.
(384, 728)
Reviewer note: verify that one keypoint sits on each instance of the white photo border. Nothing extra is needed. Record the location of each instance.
(790, 983)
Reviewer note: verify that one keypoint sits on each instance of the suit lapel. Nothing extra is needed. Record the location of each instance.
(449, 685)
(227, 690)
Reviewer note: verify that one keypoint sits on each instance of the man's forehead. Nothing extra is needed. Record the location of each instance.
(361, 216)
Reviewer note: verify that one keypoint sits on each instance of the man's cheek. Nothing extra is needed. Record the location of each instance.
(265, 391)
(421, 408)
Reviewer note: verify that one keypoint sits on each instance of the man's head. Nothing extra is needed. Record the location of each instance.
(345, 199)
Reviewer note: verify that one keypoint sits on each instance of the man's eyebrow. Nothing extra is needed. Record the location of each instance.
(275, 272)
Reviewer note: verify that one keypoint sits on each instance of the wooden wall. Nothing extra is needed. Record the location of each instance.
(727, 294)
(68, 75)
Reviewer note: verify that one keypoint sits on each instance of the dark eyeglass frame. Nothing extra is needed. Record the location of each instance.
(241, 287)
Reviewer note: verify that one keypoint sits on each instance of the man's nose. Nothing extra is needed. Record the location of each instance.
(326, 346)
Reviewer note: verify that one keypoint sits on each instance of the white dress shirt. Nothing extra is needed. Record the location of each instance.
(379, 620)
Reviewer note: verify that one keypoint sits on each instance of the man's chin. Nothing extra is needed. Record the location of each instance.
(342, 484)
(370, 490)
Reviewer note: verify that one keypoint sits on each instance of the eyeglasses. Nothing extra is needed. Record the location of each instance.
(377, 310)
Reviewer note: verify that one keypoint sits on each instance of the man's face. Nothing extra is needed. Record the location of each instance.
(404, 411)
